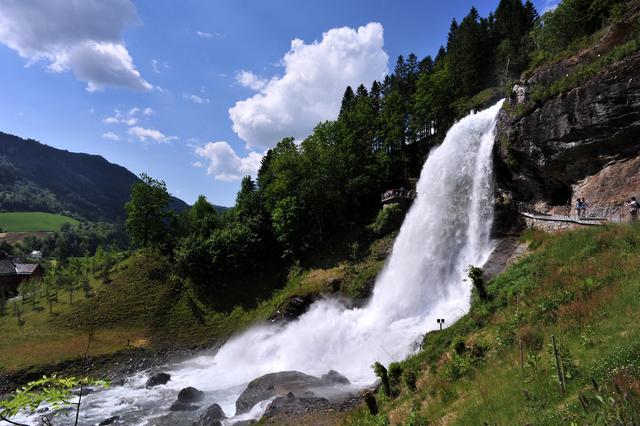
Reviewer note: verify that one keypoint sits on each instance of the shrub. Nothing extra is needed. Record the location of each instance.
(409, 377)
(395, 371)
(458, 367)
(381, 372)
(615, 403)
(476, 275)
(416, 419)
(388, 219)
(624, 355)
(459, 346)
(531, 339)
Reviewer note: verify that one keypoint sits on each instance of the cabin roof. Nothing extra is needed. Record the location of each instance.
(26, 268)
(7, 267)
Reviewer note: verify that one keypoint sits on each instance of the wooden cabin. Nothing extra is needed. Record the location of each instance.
(13, 273)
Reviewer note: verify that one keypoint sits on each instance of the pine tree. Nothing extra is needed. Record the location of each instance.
(348, 101)
(376, 96)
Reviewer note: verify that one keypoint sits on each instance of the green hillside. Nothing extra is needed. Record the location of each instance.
(33, 221)
(583, 288)
(37, 177)
(138, 300)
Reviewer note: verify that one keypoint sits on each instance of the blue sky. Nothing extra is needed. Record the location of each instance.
(193, 92)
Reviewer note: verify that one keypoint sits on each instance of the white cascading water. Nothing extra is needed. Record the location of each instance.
(446, 230)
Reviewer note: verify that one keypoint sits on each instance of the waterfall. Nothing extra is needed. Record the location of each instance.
(446, 230)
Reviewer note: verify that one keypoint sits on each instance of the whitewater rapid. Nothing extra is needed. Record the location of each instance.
(446, 230)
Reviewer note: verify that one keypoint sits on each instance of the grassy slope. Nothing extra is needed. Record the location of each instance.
(44, 338)
(584, 288)
(33, 221)
(146, 307)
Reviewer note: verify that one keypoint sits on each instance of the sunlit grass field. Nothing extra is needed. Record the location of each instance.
(33, 221)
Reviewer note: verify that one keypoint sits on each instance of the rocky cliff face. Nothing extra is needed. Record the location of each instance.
(553, 151)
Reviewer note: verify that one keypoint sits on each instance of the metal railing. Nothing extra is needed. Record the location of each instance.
(615, 213)
(398, 193)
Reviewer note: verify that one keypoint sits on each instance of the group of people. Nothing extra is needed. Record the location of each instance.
(632, 204)
(581, 207)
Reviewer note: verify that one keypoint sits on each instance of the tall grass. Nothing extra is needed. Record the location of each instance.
(582, 287)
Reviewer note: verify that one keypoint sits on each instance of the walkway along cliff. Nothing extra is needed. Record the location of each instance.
(572, 129)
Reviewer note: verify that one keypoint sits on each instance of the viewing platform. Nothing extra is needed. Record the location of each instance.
(397, 196)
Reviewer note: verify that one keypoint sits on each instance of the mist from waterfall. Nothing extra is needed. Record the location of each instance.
(446, 230)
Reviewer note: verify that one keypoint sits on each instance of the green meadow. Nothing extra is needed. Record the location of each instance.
(33, 221)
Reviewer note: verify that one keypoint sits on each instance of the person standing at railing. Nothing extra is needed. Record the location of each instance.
(578, 207)
(585, 206)
(633, 209)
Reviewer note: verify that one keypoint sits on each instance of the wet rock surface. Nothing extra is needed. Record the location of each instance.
(186, 399)
(283, 383)
(292, 308)
(274, 384)
(111, 421)
(542, 154)
(212, 416)
(506, 252)
(290, 404)
(158, 379)
(293, 411)
(116, 367)
(190, 394)
(183, 406)
(334, 377)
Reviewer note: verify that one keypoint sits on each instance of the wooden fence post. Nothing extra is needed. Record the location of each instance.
(558, 366)
(521, 357)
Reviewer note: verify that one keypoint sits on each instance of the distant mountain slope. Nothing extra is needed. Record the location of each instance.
(37, 177)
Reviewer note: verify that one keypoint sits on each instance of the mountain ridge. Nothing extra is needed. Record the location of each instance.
(38, 177)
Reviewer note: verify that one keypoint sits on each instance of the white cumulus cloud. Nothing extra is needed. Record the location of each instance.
(83, 36)
(249, 79)
(129, 118)
(111, 136)
(195, 98)
(225, 164)
(204, 34)
(111, 120)
(311, 89)
(143, 134)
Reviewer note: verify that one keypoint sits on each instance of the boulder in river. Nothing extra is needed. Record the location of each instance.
(291, 404)
(190, 394)
(334, 378)
(111, 421)
(285, 382)
(212, 416)
(183, 406)
(158, 379)
(274, 384)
